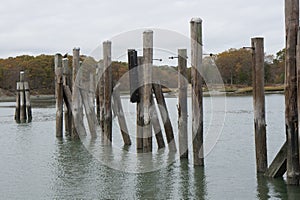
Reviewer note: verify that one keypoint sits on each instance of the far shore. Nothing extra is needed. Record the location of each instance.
(169, 93)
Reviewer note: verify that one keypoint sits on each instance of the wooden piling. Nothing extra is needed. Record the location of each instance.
(139, 107)
(298, 84)
(107, 92)
(278, 166)
(291, 111)
(147, 89)
(182, 103)
(118, 111)
(76, 100)
(17, 112)
(87, 92)
(259, 104)
(101, 96)
(165, 115)
(28, 103)
(23, 115)
(58, 95)
(156, 125)
(133, 75)
(197, 96)
(66, 83)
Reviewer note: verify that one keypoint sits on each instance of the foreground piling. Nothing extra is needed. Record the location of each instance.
(76, 99)
(291, 111)
(182, 103)
(197, 96)
(139, 107)
(259, 104)
(147, 89)
(59, 94)
(67, 83)
(107, 93)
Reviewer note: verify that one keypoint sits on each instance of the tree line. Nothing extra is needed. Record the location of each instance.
(233, 65)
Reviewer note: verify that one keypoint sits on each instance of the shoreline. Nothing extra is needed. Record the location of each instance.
(171, 93)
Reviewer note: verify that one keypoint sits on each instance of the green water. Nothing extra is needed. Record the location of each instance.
(36, 165)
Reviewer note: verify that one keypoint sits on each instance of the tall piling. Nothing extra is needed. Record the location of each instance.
(298, 83)
(197, 96)
(27, 102)
(66, 83)
(58, 94)
(23, 115)
(101, 96)
(259, 104)
(291, 111)
(182, 103)
(17, 111)
(76, 100)
(23, 112)
(147, 88)
(107, 92)
(139, 107)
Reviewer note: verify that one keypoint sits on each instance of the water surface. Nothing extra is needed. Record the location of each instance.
(36, 165)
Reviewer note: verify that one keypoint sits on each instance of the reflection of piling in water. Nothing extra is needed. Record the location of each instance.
(23, 106)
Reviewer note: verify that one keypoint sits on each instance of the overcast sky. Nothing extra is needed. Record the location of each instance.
(46, 27)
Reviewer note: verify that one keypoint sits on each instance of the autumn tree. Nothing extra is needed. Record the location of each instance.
(235, 66)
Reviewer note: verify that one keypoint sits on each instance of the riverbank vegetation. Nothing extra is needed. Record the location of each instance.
(233, 66)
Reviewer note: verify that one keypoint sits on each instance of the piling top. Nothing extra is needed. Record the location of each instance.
(76, 49)
(257, 38)
(22, 73)
(148, 31)
(107, 42)
(196, 20)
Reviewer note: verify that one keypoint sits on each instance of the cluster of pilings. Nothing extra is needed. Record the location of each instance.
(72, 94)
(287, 160)
(23, 112)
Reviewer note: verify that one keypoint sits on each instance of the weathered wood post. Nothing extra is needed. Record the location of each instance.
(23, 112)
(156, 125)
(165, 115)
(66, 83)
(139, 107)
(27, 100)
(197, 97)
(59, 95)
(87, 92)
(135, 65)
(101, 96)
(298, 84)
(291, 111)
(107, 92)
(147, 88)
(23, 116)
(17, 112)
(182, 103)
(76, 100)
(118, 111)
(259, 104)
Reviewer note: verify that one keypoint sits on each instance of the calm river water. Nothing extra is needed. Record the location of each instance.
(34, 164)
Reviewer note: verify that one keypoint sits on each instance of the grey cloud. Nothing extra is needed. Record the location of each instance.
(36, 27)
